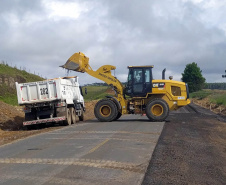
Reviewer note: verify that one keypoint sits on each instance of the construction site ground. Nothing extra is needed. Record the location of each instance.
(191, 148)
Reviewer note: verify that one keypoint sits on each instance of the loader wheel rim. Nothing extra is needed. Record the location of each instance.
(105, 110)
(157, 110)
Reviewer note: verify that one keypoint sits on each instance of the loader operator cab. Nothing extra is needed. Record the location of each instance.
(139, 81)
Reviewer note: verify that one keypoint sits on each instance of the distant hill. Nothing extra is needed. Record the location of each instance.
(8, 77)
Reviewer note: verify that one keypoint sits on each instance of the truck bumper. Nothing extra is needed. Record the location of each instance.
(48, 120)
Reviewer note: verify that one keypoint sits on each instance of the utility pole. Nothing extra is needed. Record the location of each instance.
(224, 76)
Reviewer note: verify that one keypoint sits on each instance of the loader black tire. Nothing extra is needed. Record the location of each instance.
(105, 110)
(157, 110)
(118, 116)
(73, 115)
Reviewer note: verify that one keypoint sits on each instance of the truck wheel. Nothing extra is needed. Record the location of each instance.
(105, 110)
(157, 110)
(81, 118)
(68, 117)
(73, 115)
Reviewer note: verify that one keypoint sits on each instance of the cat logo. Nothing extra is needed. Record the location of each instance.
(155, 85)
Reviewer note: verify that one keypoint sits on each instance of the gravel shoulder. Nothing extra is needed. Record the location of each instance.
(191, 150)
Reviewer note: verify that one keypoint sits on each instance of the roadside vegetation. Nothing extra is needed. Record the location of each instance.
(217, 97)
(200, 94)
(14, 72)
(96, 92)
(193, 77)
(215, 100)
(8, 76)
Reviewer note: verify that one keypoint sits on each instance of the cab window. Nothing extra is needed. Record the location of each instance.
(138, 76)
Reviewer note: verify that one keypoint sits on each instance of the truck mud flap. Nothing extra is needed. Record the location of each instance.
(34, 122)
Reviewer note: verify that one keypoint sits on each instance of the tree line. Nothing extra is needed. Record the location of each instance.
(215, 86)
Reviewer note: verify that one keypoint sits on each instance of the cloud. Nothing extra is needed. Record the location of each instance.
(42, 35)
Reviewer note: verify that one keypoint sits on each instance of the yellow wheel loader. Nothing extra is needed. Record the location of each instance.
(141, 95)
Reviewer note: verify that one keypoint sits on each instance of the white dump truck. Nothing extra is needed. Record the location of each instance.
(54, 100)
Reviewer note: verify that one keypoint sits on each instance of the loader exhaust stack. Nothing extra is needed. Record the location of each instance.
(163, 74)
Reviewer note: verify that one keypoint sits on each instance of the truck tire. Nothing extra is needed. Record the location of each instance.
(81, 118)
(73, 115)
(105, 110)
(157, 110)
(68, 117)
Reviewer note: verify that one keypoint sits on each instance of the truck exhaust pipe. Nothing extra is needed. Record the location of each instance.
(163, 73)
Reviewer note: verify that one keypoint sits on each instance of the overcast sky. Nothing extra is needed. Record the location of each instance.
(42, 34)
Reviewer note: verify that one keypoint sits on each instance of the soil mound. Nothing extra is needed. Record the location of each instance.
(11, 117)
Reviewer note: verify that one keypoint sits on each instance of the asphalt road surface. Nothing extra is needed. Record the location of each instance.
(89, 153)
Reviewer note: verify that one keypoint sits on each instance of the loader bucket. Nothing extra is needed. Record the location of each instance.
(77, 62)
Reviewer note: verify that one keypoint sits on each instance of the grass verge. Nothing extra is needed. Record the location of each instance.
(217, 97)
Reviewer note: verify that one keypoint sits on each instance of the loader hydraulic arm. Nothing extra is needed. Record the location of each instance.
(80, 63)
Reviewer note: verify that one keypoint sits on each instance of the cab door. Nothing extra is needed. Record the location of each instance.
(147, 81)
(139, 81)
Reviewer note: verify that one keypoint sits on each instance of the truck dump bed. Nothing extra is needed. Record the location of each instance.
(49, 90)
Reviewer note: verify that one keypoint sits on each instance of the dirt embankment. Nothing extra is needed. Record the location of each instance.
(11, 117)
(205, 103)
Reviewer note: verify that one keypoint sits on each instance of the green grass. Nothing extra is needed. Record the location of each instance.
(14, 72)
(7, 93)
(200, 94)
(214, 96)
(95, 92)
(9, 99)
(219, 99)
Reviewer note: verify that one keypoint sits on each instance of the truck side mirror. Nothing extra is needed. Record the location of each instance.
(81, 90)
